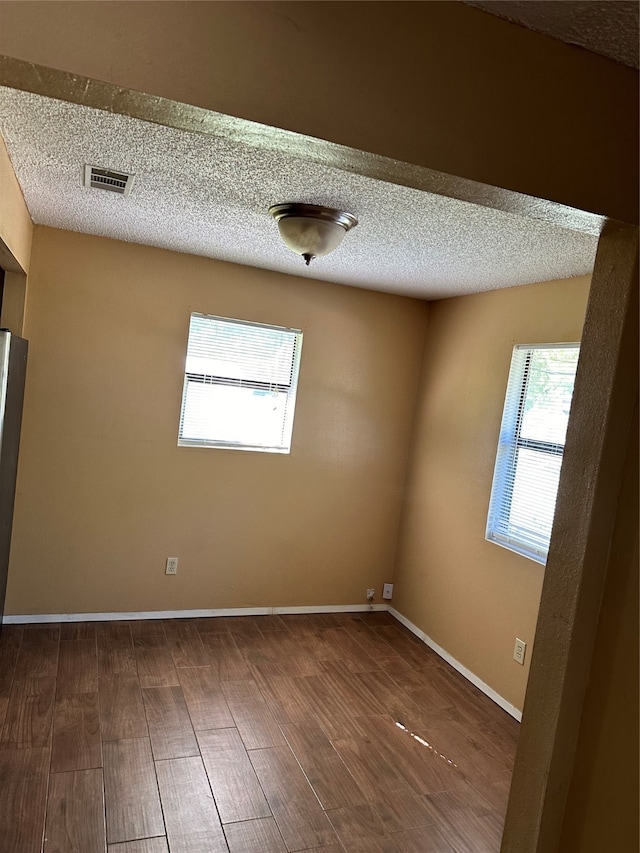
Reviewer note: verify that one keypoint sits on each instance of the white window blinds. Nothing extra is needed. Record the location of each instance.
(240, 385)
(531, 446)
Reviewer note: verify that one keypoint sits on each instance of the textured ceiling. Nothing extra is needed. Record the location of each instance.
(208, 196)
(609, 27)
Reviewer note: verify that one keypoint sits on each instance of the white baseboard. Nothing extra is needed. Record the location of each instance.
(332, 608)
(470, 676)
(268, 611)
(28, 619)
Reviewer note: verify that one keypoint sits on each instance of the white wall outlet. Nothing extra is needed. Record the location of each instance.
(371, 594)
(519, 651)
(387, 590)
(172, 566)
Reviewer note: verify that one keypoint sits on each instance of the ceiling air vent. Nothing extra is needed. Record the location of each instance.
(107, 179)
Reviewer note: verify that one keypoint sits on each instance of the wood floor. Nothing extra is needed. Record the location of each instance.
(324, 733)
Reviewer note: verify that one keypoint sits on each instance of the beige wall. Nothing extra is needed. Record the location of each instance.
(547, 119)
(15, 223)
(602, 809)
(104, 494)
(470, 596)
(16, 234)
(413, 81)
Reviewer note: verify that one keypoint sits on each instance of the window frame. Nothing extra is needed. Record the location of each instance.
(510, 442)
(290, 389)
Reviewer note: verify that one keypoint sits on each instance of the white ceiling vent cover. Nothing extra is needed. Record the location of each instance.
(106, 179)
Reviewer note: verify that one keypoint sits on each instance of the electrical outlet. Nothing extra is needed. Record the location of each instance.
(371, 594)
(519, 651)
(172, 566)
(387, 590)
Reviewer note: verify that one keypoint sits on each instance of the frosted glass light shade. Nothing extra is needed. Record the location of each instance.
(315, 237)
(311, 230)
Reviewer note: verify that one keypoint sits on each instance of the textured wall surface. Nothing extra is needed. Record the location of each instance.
(601, 816)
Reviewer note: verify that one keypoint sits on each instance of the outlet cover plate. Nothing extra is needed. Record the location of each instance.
(171, 567)
(519, 651)
(387, 591)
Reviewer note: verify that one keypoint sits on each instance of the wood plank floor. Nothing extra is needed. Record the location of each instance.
(337, 733)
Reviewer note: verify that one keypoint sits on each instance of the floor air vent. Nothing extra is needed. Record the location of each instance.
(107, 179)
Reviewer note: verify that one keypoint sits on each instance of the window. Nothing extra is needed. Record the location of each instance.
(532, 435)
(239, 385)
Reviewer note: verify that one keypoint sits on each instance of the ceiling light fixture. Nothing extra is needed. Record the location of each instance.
(311, 230)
